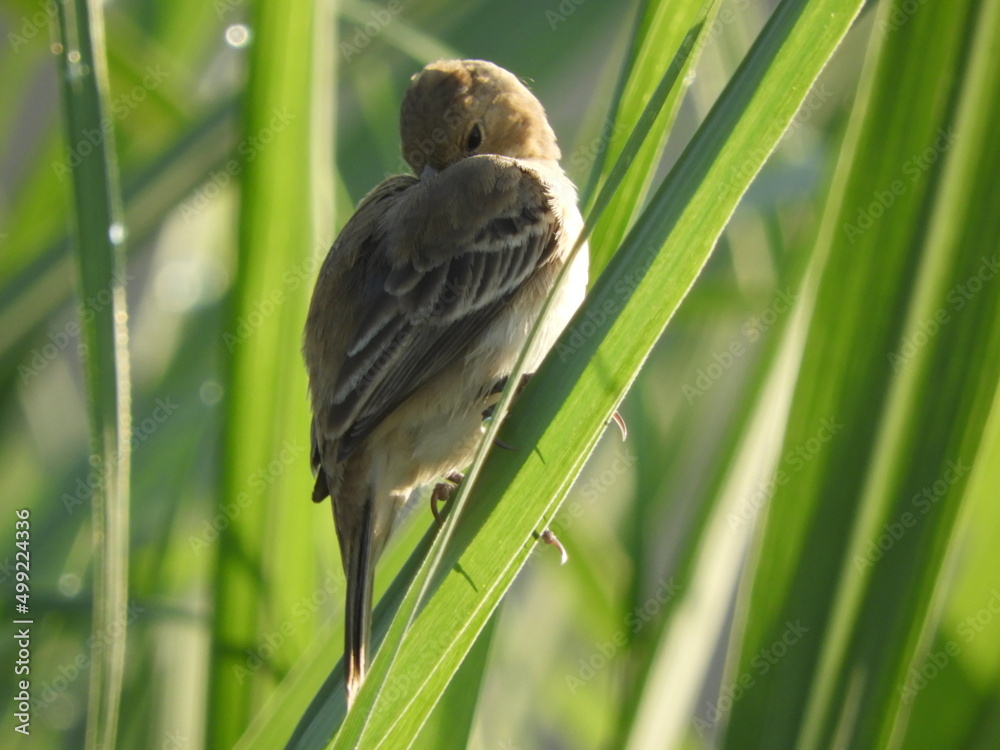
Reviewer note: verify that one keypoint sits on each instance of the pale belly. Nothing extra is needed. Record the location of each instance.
(441, 424)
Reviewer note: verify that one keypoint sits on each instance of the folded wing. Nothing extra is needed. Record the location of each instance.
(456, 248)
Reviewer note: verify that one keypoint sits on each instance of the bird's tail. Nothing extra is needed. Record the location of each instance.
(359, 567)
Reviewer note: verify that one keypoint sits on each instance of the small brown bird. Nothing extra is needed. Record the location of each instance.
(424, 302)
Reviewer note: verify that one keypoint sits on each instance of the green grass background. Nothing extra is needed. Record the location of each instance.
(793, 548)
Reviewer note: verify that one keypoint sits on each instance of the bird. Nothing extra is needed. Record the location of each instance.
(424, 302)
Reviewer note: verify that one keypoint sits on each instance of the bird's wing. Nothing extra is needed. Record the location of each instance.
(455, 247)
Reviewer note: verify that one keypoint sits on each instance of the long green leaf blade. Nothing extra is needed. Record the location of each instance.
(100, 234)
(833, 623)
(563, 410)
(270, 541)
(660, 29)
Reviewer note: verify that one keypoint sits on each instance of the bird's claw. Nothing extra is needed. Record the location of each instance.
(550, 538)
(618, 420)
(443, 491)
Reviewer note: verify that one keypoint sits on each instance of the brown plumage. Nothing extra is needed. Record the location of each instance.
(424, 302)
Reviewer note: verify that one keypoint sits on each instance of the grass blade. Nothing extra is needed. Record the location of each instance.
(874, 423)
(270, 542)
(100, 236)
(660, 28)
(563, 410)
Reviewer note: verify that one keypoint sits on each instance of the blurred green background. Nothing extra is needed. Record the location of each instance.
(811, 471)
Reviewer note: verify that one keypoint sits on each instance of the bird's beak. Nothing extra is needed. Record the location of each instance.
(429, 171)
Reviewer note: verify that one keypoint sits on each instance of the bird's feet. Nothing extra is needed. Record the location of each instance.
(443, 492)
(488, 412)
(549, 537)
(618, 420)
(498, 388)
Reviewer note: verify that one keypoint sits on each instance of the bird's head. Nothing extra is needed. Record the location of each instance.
(459, 108)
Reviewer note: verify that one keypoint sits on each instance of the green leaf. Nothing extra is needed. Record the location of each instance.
(660, 29)
(563, 410)
(100, 234)
(267, 571)
(903, 645)
(883, 426)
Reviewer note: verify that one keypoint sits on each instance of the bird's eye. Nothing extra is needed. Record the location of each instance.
(475, 138)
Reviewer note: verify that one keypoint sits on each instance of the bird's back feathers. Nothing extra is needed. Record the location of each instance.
(435, 265)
